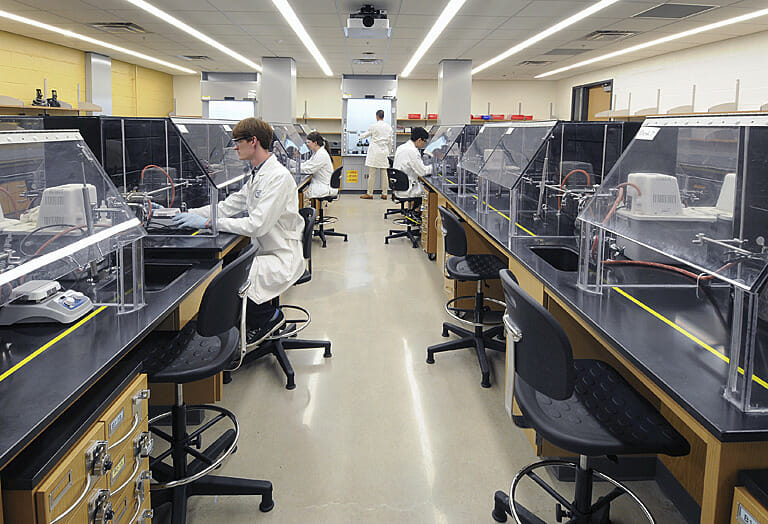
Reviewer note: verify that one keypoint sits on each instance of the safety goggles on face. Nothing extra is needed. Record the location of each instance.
(238, 140)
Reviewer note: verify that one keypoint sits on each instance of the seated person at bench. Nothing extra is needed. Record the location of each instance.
(319, 166)
(408, 160)
(273, 223)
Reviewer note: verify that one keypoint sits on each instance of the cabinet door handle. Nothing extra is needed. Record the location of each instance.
(136, 421)
(76, 503)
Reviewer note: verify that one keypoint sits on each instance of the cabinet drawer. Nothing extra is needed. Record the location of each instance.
(123, 417)
(65, 484)
(130, 503)
(746, 508)
(127, 461)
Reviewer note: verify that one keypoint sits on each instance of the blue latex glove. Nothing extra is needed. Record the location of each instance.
(190, 220)
(155, 205)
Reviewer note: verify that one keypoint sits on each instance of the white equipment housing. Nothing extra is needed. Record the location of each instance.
(64, 205)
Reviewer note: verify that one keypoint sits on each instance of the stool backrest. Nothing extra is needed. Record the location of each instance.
(220, 307)
(543, 357)
(454, 236)
(309, 214)
(398, 180)
(336, 178)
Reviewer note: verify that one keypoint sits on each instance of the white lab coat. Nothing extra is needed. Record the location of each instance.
(408, 160)
(321, 169)
(379, 145)
(273, 223)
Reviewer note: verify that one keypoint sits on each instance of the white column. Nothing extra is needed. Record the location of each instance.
(278, 89)
(454, 92)
(98, 82)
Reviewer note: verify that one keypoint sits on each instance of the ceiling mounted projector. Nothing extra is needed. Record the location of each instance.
(368, 23)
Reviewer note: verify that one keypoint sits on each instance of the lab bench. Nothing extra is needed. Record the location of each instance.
(62, 387)
(660, 339)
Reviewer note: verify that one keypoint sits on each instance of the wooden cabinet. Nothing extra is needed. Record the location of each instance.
(76, 486)
(108, 467)
(746, 508)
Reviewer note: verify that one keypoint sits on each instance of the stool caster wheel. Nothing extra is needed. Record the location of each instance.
(445, 332)
(266, 507)
(486, 381)
(432, 256)
(430, 359)
(560, 513)
(327, 352)
(227, 378)
(500, 505)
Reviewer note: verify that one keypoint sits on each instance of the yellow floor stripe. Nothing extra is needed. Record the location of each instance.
(684, 332)
(40, 350)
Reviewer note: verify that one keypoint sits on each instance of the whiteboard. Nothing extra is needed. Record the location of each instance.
(231, 109)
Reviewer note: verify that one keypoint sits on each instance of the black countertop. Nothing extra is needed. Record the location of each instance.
(62, 362)
(691, 373)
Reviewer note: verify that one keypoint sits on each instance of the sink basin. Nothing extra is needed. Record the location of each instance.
(559, 257)
(160, 275)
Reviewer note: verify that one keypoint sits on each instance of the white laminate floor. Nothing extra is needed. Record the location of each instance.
(374, 434)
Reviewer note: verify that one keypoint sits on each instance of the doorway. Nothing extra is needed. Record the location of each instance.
(588, 100)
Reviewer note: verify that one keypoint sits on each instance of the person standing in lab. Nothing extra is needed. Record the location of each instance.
(319, 166)
(273, 223)
(408, 160)
(377, 156)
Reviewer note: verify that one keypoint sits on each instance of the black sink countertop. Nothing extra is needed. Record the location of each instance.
(45, 368)
(673, 336)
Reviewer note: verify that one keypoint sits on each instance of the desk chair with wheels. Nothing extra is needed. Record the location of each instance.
(583, 406)
(285, 339)
(476, 268)
(323, 220)
(398, 181)
(202, 349)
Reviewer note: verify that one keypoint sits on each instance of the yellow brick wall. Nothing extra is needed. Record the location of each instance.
(25, 62)
(138, 91)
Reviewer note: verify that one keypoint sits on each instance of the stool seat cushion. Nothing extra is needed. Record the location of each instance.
(474, 267)
(329, 198)
(189, 356)
(604, 416)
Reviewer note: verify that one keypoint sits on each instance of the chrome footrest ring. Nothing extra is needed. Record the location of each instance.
(300, 324)
(571, 464)
(217, 462)
(449, 309)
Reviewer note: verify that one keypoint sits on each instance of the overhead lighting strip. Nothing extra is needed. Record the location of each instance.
(658, 41)
(442, 22)
(175, 22)
(107, 45)
(544, 34)
(290, 16)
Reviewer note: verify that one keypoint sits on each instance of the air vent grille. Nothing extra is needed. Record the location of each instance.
(674, 11)
(194, 57)
(119, 27)
(368, 61)
(609, 36)
(535, 62)
(566, 52)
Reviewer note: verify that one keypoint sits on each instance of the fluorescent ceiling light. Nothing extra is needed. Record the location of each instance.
(708, 27)
(290, 16)
(165, 17)
(70, 34)
(544, 34)
(445, 17)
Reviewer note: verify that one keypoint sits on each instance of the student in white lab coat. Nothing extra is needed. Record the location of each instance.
(273, 222)
(408, 160)
(319, 166)
(378, 151)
